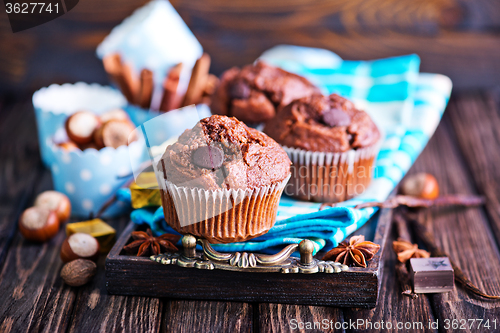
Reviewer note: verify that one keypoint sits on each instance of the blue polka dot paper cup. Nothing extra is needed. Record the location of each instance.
(91, 177)
(55, 103)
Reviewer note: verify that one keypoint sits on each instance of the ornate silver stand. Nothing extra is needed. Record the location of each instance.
(249, 262)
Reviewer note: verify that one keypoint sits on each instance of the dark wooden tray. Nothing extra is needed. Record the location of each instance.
(357, 287)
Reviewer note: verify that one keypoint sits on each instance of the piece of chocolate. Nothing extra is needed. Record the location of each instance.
(208, 157)
(144, 191)
(336, 117)
(431, 275)
(239, 90)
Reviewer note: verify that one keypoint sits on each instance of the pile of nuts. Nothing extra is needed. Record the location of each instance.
(87, 130)
(79, 251)
(41, 223)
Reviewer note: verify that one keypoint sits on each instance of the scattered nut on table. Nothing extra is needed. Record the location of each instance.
(38, 224)
(421, 185)
(78, 272)
(80, 246)
(55, 201)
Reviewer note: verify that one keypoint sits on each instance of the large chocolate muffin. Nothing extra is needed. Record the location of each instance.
(223, 180)
(258, 91)
(332, 146)
(323, 123)
(223, 153)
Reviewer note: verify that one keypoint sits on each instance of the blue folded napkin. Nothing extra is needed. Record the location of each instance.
(405, 104)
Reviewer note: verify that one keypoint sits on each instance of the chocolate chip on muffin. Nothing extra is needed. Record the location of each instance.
(258, 91)
(323, 123)
(223, 153)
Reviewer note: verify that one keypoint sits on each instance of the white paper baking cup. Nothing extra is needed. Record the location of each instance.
(330, 177)
(55, 103)
(222, 216)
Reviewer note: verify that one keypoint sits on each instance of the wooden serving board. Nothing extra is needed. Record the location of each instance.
(357, 287)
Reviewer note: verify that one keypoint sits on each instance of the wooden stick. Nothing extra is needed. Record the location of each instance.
(409, 201)
(401, 268)
(146, 89)
(170, 99)
(198, 81)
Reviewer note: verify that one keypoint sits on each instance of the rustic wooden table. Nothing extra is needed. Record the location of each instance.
(463, 155)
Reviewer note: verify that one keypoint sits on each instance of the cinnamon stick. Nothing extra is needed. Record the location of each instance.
(131, 81)
(170, 99)
(409, 201)
(113, 66)
(198, 81)
(146, 89)
(123, 75)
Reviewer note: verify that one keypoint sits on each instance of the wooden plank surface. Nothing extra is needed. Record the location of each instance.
(19, 168)
(34, 296)
(464, 234)
(204, 316)
(476, 120)
(298, 318)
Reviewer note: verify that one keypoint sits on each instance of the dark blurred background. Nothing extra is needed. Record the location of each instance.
(459, 38)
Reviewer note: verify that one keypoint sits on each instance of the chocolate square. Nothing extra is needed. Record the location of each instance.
(432, 275)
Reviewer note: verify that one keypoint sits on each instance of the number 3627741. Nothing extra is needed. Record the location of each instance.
(31, 8)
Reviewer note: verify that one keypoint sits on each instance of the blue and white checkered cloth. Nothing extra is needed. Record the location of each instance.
(405, 104)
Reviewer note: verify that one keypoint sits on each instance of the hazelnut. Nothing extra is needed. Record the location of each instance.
(115, 114)
(79, 246)
(38, 224)
(97, 136)
(55, 201)
(421, 185)
(68, 146)
(81, 125)
(78, 272)
(115, 133)
(90, 145)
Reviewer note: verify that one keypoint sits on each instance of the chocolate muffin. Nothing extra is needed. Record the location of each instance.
(223, 180)
(332, 145)
(258, 91)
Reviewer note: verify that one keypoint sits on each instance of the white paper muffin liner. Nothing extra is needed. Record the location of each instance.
(330, 177)
(222, 216)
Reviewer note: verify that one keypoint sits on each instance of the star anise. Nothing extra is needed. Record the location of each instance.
(406, 250)
(145, 244)
(355, 252)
